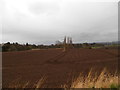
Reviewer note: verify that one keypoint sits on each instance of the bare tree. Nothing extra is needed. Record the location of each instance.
(67, 43)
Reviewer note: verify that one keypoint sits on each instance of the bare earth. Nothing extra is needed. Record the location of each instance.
(57, 66)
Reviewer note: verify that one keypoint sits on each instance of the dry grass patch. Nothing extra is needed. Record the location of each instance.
(25, 84)
(92, 80)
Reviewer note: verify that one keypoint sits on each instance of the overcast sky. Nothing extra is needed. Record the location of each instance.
(46, 21)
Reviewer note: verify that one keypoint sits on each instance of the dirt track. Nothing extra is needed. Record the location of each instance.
(57, 66)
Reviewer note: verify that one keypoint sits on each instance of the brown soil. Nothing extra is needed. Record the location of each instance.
(57, 66)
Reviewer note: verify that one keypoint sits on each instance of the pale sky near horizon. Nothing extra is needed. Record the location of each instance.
(46, 21)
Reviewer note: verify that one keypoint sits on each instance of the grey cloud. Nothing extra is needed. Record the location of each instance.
(75, 19)
(22, 36)
(96, 37)
(43, 7)
(86, 37)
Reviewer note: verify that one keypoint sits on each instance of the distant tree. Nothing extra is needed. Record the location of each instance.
(0, 47)
(51, 46)
(12, 48)
(33, 46)
(6, 47)
(41, 46)
(8, 43)
(58, 42)
(27, 44)
(16, 43)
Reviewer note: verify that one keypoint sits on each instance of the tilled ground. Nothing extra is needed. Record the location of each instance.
(56, 66)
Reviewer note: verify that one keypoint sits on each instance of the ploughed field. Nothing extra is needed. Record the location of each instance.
(56, 66)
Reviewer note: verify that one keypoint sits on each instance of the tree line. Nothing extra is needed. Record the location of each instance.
(22, 47)
(6, 47)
